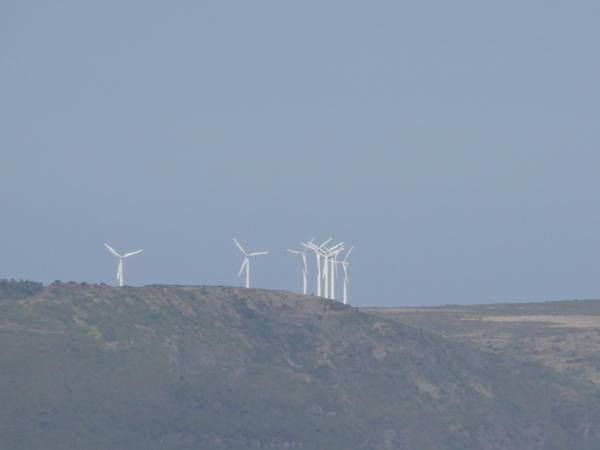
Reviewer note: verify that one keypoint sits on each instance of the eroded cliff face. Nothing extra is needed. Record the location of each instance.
(221, 367)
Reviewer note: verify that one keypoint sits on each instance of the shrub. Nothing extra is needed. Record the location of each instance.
(19, 289)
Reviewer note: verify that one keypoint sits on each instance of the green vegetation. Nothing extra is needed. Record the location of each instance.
(167, 367)
(19, 289)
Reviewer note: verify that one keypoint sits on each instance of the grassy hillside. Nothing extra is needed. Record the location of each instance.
(172, 367)
(563, 335)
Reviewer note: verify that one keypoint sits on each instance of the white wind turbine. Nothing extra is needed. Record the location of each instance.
(332, 255)
(120, 269)
(246, 262)
(304, 267)
(344, 264)
(318, 251)
(327, 254)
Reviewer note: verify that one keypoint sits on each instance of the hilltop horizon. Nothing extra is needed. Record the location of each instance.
(374, 306)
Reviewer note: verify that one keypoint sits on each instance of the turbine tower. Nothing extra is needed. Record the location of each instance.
(318, 252)
(304, 267)
(246, 262)
(120, 269)
(328, 253)
(344, 264)
(332, 255)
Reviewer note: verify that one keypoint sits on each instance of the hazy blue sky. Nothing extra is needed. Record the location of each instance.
(454, 144)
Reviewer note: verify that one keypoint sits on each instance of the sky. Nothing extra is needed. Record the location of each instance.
(455, 145)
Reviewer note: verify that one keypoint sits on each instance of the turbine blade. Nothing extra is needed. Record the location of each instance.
(243, 265)
(112, 251)
(258, 253)
(326, 242)
(306, 245)
(240, 247)
(348, 253)
(312, 246)
(126, 255)
(345, 267)
(335, 247)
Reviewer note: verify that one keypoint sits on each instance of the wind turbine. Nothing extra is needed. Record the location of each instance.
(120, 269)
(318, 251)
(305, 267)
(246, 262)
(327, 254)
(344, 264)
(332, 254)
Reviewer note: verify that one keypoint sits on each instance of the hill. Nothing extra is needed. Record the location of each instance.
(180, 367)
(563, 335)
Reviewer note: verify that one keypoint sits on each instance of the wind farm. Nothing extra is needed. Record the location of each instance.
(326, 267)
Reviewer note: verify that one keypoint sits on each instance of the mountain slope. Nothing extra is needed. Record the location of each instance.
(563, 335)
(169, 367)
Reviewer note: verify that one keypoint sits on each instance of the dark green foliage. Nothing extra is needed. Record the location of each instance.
(19, 289)
(337, 306)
